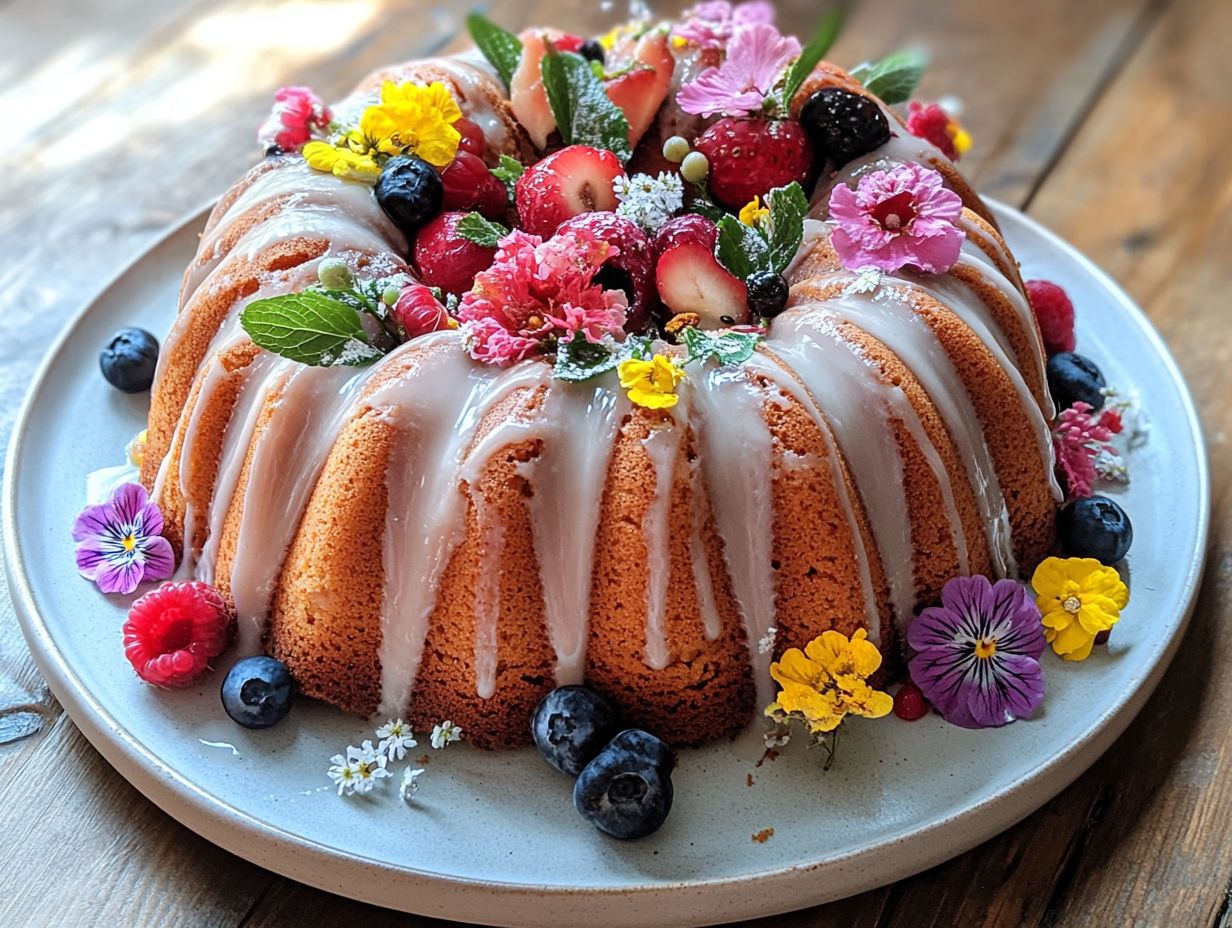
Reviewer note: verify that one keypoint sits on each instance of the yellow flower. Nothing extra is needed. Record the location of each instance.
(828, 681)
(753, 213)
(651, 383)
(342, 162)
(1078, 598)
(414, 119)
(136, 448)
(959, 136)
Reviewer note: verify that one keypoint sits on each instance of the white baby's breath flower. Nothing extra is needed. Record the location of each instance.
(867, 280)
(765, 644)
(370, 766)
(395, 738)
(344, 772)
(410, 783)
(649, 201)
(444, 733)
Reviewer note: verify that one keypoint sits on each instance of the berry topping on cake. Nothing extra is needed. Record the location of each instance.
(1073, 378)
(676, 148)
(749, 156)
(574, 180)
(640, 90)
(447, 259)
(933, 124)
(626, 791)
(767, 293)
(630, 269)
(472, 137)
(909, 703)
(528, 98)
(694, 168)
(1055, 314)
(691, 279)
(1095, 527)
(469, 185)
(129, 359)
(571, 725)
(418, 312)
(257, 692)
(410, 192)
(592, 50)
(844, 125)
(172, 633)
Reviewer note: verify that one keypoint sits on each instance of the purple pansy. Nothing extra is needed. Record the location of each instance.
(712, 24)
(120, 543)
(977, 654)
(756, 58)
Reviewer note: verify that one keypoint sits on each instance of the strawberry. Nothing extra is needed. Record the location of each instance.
(1055, 314)
(569, 43)
(473, 140)
(749, 156)
(574, 180)
(447, 260)
(640, 91)
(690, 278)
(527, 97)
(172, 633)
(632, 270)
(469, 185)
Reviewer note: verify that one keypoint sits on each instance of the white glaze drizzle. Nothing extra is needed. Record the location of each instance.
(662, 446)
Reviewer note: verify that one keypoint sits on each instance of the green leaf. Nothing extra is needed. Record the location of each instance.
(502, 49)
(584, 114)
(508, 172)
(580, 359)
(309, 327)
(823, 37)
(726, 347)
(788, 207)
(740, 248)
(474, 228)
(895, 77)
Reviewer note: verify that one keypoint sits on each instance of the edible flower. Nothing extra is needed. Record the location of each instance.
(712, 24)
(419, 312)
(359, 771)
(828, 681)
(977, 654)
(413, 119)
(409, 785)
(1078, 598)
(649, 201)
(539, 293)
(296, 113)
(932, 123)
(445, 733)
(135, 449)
(903, 217)
(1082, 441)
(753, 213)
(756, 57)
(395, 738)
(349, 157)
(652, 383)
(120, 543)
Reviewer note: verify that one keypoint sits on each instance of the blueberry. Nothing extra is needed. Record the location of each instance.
(571, 725)
(1095, 527)
(591, 50)
(626, 791)
(129, 359)
(1073, 378)
(410, 191)
(844, 125)
(767, 293)
(257, 692)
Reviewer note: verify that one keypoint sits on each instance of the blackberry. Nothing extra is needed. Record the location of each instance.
(843, 125)
(591, 50)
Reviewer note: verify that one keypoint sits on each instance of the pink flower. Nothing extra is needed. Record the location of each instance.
(899, 218)
(296, 112)
(419, 312)
(537, 293)
(755, 60)
(1079, 439)
(711, 25)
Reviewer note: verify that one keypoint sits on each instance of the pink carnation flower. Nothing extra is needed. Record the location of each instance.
(711, 25)
(1079, 439)
(756, 58)
(296, 112)
(899, 218)
(540, 292)
(419, 312)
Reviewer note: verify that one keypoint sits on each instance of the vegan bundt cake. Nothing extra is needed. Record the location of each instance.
(433, 535)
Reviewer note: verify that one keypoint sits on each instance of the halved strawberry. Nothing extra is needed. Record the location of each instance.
(527, 97)
(572, 181)
(640, 91)
(691, 279)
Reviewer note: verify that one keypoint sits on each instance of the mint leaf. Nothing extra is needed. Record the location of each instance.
(584, 114)
(509, 170)
(823, 37)
(309, 327)
(474, 228)
(895, 77)
(726, 347)
(580, 359)
(788, 207)
(502, 49)
(740, 248)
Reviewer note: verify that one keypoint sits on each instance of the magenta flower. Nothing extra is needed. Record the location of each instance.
(711, 25)
(1080, 438)
(977, 654)
(296, 113)
(756, 58)
(899, 218)
(419, 312)
(120, 543)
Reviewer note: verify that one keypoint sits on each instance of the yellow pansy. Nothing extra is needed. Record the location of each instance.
(753, 213)
(828, 681)
(651, 383)
(1078, 598)
(342, 162)
(414, 119)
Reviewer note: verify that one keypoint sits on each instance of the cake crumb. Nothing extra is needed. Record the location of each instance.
(763, 836)
(748, 780)
(770, 754)
(424, 760)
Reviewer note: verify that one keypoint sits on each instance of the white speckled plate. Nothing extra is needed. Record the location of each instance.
(494, 837)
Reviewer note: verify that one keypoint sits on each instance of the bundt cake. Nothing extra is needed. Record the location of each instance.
(437, 536)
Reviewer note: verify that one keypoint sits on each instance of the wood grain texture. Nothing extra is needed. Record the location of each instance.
(1109, 120)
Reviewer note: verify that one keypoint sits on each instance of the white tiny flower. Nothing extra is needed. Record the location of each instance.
(345, 773)
(370, 766)
(649, 201)
(395, 738)
(867, 280)
(410, 783)
(766, 643)
(444, 733)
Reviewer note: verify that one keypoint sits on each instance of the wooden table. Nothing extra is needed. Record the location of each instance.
(1108, 120)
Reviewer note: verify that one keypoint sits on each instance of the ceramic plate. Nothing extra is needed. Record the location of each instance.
(493, 838)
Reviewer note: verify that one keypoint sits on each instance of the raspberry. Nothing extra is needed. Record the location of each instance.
(1055, 315)
(469, 185)
(931, 123)
(844, 125)
(909, 703)
(447, 260)
(172, 633)
(750, 156)
(631, 270)
(472, 137)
